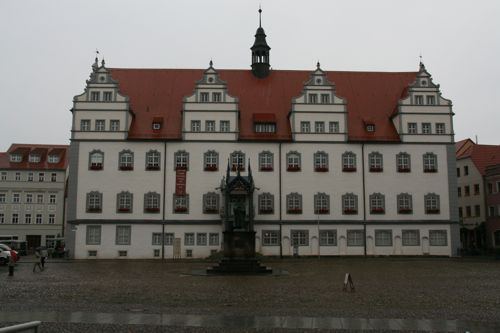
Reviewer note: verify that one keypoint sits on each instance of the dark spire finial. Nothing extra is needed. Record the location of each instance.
(103, 62)
(318, 65)
(211, 63)
(421, 64)
(260, 12)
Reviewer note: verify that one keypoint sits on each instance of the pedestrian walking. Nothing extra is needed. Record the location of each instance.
(12, 264)
(44, 255)
(38, 260)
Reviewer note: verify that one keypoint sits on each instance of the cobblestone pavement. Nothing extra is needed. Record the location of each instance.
(420, 288)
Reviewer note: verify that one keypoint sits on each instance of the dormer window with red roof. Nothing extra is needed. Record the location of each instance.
(16, 158)
(34, 158)
(52, 159)
(370, 128)
(264, 123)
(265, 128)
(157, 122)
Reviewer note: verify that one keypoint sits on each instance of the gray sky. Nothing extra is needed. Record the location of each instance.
(47, 48)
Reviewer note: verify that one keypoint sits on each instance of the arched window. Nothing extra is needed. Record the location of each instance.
(350, 204)
(124, 202)
(96, 160)
(431, 203)
(266, 160)
(294, 203)
(321, 203)
(377, 203)
(293, 161)
(237, 161)
(403, 162)
(153, 160)
(211, 160)
(404, 203)
(126, 160)
(321, 161)
(375, 162)
(152, 202)
(430, 162)
(181, 158)
(94, 202)
(349, 162)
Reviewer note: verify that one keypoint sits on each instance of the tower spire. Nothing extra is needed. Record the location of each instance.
(260, 52)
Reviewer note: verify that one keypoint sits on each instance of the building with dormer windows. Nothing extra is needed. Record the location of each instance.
(319, 162)
(32, 193)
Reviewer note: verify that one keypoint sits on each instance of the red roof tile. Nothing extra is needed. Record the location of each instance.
(482, 156)
(43, 150)
(160, 92)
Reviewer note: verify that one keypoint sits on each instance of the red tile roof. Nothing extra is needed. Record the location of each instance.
(482, 156)
(159, 93)
(43, 150)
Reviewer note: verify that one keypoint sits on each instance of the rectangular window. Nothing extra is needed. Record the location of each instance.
(355, 238)
(467, 190)
(41, 177)
(93, 235)
(18, 176)
(181, 203)
(468, 211)
(157, 238)
(265, 128)
(100, 125)
(270, 238)
(266, 204)
(123, 233)
(114, 125)
(459, 191)
(476, 189)
(438, 238)
(460, 212)
(224, 126)
(52, 199)
(16, 198)
(85, 125)
(319, 127)
(39, 198)
(325, 98)
(458, 172)
(27, 218)
(440, 129)
(266, 161)
(216, 97)
(383, 237)
(204, 97)
(299, 237)
(210, 125)
(52, 219)
(29, 198)
(477, 210)
(412, 128)
(490, 187)
(466, 170)
(15, 218)
(431, 100)
(411, 238)
(2, 197)
(38, 219)
(195, 126)
(108, 96)
(53, 177)
(305, 127)
(333, 127)
(328, 238)
(2, 218)
(313, 98)
(213, 239)
(4, 176)
(419, 99)
(426, 128)
(491, 211)
(201, 238)
(95, 96)
(189, 239)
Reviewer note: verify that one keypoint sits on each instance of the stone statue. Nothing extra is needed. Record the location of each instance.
(239, 217)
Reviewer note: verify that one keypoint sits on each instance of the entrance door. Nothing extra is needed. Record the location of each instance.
(33, 241)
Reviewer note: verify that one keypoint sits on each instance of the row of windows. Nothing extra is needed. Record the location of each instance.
(355, 237)
(28, 219)
(493, 211)
(319, 127)
(266, 161)
(493, 188)
(28, 198)
(211, 203)
(429, 99)
(100, 125)
(34, 158)
(468, 211)
(477, 190)
(205, 97)
(210, 126)
(466, 171)
(95, 96)
(426, 128)
(318, 98)
(30, 176)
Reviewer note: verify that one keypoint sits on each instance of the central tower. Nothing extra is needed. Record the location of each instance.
(260, 52)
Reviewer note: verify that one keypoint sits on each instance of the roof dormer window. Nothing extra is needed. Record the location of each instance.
(370, 128)
(53, 159)
(265, 128)
(157, 121)
(34, 158)
(16, 158)
(264, 123)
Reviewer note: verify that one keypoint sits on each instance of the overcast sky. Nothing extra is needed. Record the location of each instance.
(47, 48)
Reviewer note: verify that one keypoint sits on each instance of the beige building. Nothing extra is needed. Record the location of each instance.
(32, 192)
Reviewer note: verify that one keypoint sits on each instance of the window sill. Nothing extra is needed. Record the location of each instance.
(293, 169)
(294, 211)
(126, 168)
(94, 210)
(350, 212)
(208, 211)
(266, 169)
(152, 210)
(430, 170)
(432, 211)
(181, 168)
(95, 167)
(152, 168)
(180, 210)
(124, 210)
(210, 168)
(405, 211)
(234, 169)
(376, 169)
(348, 169)
(266, 212)
(377, 211)
(322, 211)
(321, 169)
(404, 170)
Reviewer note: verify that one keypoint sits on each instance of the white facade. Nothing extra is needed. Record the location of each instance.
(309, 166)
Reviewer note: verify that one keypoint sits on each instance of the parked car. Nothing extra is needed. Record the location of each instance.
(13, 253)
(19, 245)
(4, 256)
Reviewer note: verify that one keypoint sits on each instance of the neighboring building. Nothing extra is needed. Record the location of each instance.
(473, 161)
(32, 190)
(343, 163)
(492, 181)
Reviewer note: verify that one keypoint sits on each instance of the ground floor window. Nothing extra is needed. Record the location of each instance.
(383, 237)
(270, 237)
(328, 238)
(411, 237)
(213, 238)
(438, 238)
(123, 233)
(300, 237)
(201, 238)
(168, 240)
(355, 238)
(189, 238)
(93, 235)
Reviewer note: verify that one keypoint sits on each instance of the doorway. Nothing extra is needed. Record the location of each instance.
(33, 241)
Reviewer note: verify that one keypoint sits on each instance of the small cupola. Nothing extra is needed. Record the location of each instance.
(260, 52)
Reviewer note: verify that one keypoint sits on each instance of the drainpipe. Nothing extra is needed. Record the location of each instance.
(279, 190)
(364, 193)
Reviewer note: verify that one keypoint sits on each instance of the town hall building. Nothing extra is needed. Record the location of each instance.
(317, 162)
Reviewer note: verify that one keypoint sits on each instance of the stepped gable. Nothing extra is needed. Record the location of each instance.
(154, 93)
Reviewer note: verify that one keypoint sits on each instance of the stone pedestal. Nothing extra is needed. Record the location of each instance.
(239, 255)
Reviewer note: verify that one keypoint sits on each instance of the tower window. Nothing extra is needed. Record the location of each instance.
(313, 98)
(94, 96)
(204, 97)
